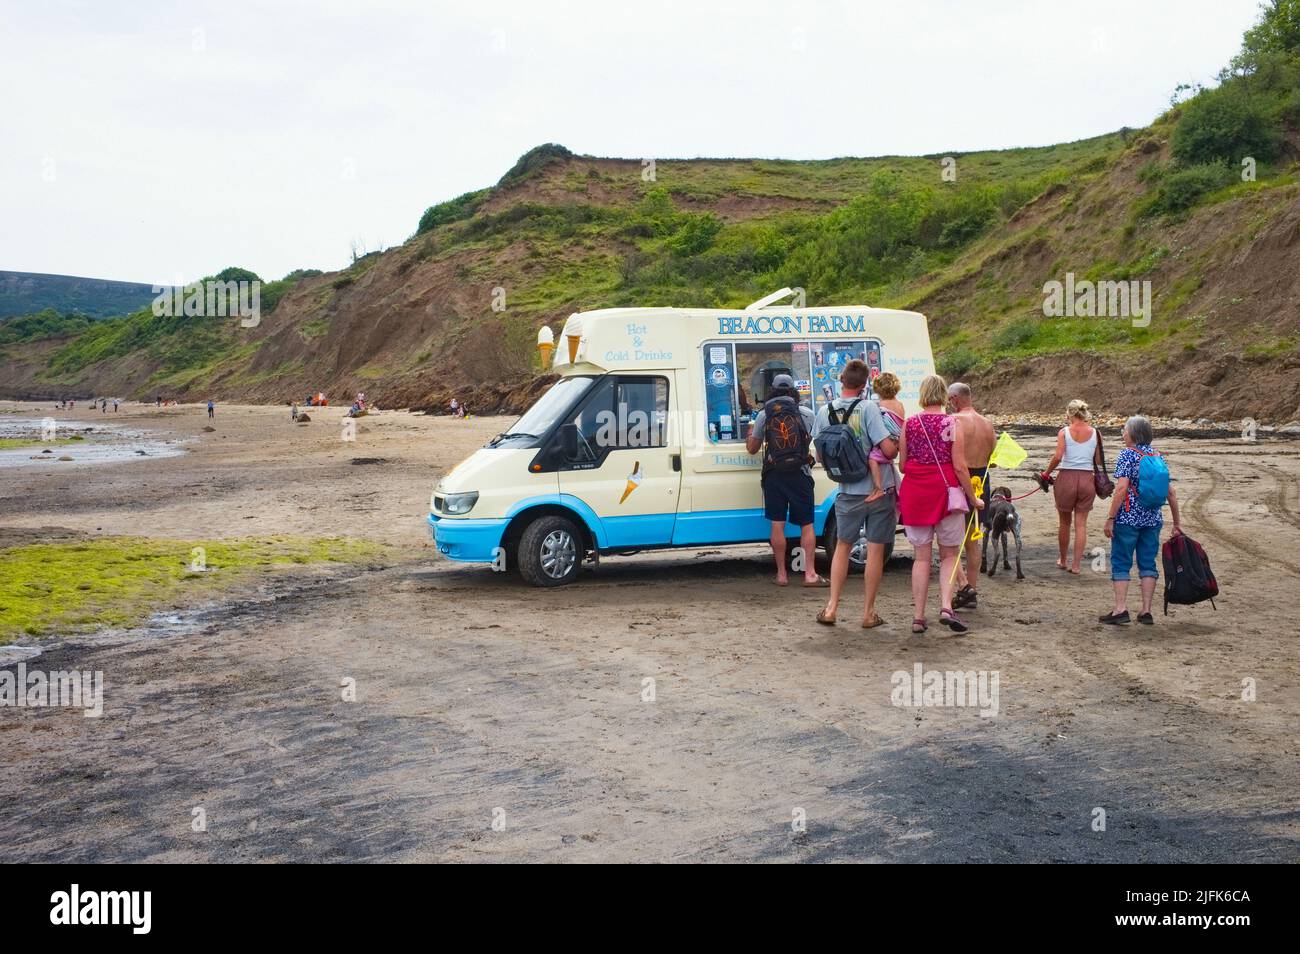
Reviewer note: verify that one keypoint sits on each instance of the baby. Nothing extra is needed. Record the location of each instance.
(886, 387)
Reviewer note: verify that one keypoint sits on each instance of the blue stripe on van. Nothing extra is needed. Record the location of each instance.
(740, 526)
(473, 540)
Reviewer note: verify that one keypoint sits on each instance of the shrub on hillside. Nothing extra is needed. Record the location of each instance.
(695, 235)
(954, 362)
(539, 157)
(453, 210)
(1278, 31)
(1016, 335)
(44, 324)
(1226, 125)
(234, 274)
(1182, 189)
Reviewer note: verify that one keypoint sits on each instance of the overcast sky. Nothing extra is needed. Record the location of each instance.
(161, 141)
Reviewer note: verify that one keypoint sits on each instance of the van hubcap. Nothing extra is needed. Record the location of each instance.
(558, 554)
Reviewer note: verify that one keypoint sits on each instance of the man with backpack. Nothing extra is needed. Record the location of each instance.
(783, 432)
(1134, 522)
(845, 432)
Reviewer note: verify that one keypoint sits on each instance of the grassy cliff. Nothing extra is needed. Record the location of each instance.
(1203, 204)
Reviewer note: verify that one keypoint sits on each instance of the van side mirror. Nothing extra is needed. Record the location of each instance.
(569, 440)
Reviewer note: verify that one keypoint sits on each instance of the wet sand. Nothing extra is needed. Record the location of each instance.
(479, 698)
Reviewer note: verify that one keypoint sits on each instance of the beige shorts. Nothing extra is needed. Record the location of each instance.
(951, 530)
(1074, 490)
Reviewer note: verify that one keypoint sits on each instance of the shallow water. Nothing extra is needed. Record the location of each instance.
(104, 443)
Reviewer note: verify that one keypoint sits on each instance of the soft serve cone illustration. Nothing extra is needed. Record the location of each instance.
(633, 481)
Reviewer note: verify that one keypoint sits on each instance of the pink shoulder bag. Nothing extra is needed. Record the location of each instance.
(956, 498)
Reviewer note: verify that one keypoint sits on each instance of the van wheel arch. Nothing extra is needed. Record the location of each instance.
(527, 563)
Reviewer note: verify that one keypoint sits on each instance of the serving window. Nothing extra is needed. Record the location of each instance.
(738, 377)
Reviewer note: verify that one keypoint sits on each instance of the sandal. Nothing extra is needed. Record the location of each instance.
(873, 622)
(918, 625)
(824, 619)
(952, 621)
(966, 598)
(820, 583)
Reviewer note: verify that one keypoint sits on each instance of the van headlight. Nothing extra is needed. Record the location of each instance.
(459, 503)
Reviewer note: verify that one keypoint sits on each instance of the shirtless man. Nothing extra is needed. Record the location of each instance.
(978, 437)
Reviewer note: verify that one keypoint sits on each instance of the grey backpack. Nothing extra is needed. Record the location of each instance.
(840, 449)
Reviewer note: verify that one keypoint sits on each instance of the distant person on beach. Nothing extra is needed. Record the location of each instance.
(212, 408)
(115, 405)
(1078, 450)
(293, 414)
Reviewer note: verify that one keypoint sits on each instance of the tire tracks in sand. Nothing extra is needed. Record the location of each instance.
(1277, 500)
(1197, 508)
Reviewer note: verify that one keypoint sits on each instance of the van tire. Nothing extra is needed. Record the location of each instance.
(551, 551)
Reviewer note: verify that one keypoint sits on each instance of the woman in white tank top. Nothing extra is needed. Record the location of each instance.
(1074, 490)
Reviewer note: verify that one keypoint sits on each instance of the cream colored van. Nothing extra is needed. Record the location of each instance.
(641, 442)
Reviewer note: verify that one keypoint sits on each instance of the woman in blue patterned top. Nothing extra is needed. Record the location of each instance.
(1132, 528)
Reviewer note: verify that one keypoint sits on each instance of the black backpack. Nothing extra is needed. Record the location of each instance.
(785, 436)
(1188, 577)
(840, 449)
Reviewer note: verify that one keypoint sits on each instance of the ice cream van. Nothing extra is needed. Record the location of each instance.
(640, 444)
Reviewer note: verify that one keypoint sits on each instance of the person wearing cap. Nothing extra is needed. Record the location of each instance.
(787, 494)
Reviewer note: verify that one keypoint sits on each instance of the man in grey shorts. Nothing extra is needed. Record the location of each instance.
(851, 506)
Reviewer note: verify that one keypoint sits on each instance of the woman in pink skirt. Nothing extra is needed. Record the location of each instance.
(931, 457)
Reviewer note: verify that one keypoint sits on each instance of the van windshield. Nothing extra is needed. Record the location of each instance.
(550, 407)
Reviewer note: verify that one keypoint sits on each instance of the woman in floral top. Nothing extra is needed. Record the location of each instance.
(1132, 528)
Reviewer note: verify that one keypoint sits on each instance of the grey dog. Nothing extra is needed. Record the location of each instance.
(1003, 519)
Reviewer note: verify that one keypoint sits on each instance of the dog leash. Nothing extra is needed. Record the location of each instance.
(977, 484)
(1030, 494)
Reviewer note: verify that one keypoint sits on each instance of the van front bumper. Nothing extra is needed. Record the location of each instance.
(467, 541)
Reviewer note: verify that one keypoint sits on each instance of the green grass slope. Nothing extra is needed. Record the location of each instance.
(1202, 204)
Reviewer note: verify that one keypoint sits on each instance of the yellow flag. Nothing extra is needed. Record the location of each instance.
(1007, 453)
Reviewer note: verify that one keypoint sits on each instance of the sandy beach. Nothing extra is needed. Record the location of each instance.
(670, 706)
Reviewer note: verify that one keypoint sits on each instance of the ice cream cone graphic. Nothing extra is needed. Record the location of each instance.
(633, 481)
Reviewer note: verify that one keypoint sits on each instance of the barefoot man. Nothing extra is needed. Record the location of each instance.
(978, 437)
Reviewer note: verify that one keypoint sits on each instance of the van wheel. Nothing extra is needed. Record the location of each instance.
(550, 551)
(857, 553)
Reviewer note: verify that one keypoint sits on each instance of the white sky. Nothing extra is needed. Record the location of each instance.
(152, 141)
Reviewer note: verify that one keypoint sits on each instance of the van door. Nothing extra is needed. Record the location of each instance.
(626, 470)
